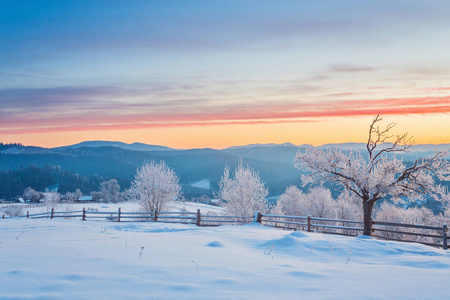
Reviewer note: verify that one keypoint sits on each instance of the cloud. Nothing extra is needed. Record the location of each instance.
(96, 98)
(343, 68)
(201, 112)
(437, 89)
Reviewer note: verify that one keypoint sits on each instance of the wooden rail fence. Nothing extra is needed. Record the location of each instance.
(427, 235)
(155, 216)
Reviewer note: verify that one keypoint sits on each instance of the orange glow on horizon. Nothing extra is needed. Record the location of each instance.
(426, 129)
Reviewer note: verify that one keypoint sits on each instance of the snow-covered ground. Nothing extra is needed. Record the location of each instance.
(72, 259)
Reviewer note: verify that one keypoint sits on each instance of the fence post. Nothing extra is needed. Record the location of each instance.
(84, 214)
(28, 214)
(53, 210)
(198, 217)
(444, 236)
(309, 223)
(156, 215)
(257, 216)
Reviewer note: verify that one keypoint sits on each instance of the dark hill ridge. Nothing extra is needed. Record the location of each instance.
(133, 146)
(275, 163)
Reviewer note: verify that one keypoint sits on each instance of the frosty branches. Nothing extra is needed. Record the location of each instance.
(378, 175)
(154, 187)
(243, 194)
(377, 136)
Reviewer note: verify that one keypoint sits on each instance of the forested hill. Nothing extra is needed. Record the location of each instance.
(191, 165)
(275, 163)
(14, 182)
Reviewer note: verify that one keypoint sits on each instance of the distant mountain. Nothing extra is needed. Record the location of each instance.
(345, 146)
(260, 146)
(278, 153)
(133, 146)
(430, 148)
(414, 148)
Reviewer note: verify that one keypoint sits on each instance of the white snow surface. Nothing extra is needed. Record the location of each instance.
(74, 259)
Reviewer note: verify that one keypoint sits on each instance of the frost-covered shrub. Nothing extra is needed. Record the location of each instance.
(31, 194)
(347, 207)
(69, 199)
(415, 216)
(13, 210)
(317, 203)
(320, 203)
(292, 202)
(390, 213)
(444, 217)
(110, 191)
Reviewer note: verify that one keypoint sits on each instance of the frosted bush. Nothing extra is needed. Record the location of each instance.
(292, 202)
(13, 210)
(347, 207)
(320, 203)
(415, 216)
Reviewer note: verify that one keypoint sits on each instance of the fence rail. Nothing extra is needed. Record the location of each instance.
(424, 234)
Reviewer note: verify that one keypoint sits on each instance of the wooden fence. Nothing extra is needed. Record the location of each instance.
(428, 235)
(165, 217)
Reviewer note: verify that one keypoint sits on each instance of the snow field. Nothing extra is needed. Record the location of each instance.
(72, 259)
(125, 206)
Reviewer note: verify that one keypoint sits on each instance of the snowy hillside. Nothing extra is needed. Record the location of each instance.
(72, 259)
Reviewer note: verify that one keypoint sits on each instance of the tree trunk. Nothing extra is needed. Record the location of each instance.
(367, 209)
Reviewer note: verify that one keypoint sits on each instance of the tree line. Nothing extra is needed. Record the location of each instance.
(14, 182)
(10, 145)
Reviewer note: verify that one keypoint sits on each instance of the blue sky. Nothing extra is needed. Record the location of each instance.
(151, 71)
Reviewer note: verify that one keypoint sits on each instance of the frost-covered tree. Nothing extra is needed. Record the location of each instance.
(110, 191)
(31, 194)
(51, 200)
(378, 175)
(96, 195)
(321, 203)
(244, 193)
(155, 186)
(72, 197)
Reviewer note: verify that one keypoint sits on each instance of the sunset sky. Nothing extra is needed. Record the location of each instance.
(189, 74)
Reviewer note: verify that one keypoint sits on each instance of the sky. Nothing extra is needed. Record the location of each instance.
(194, 74)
